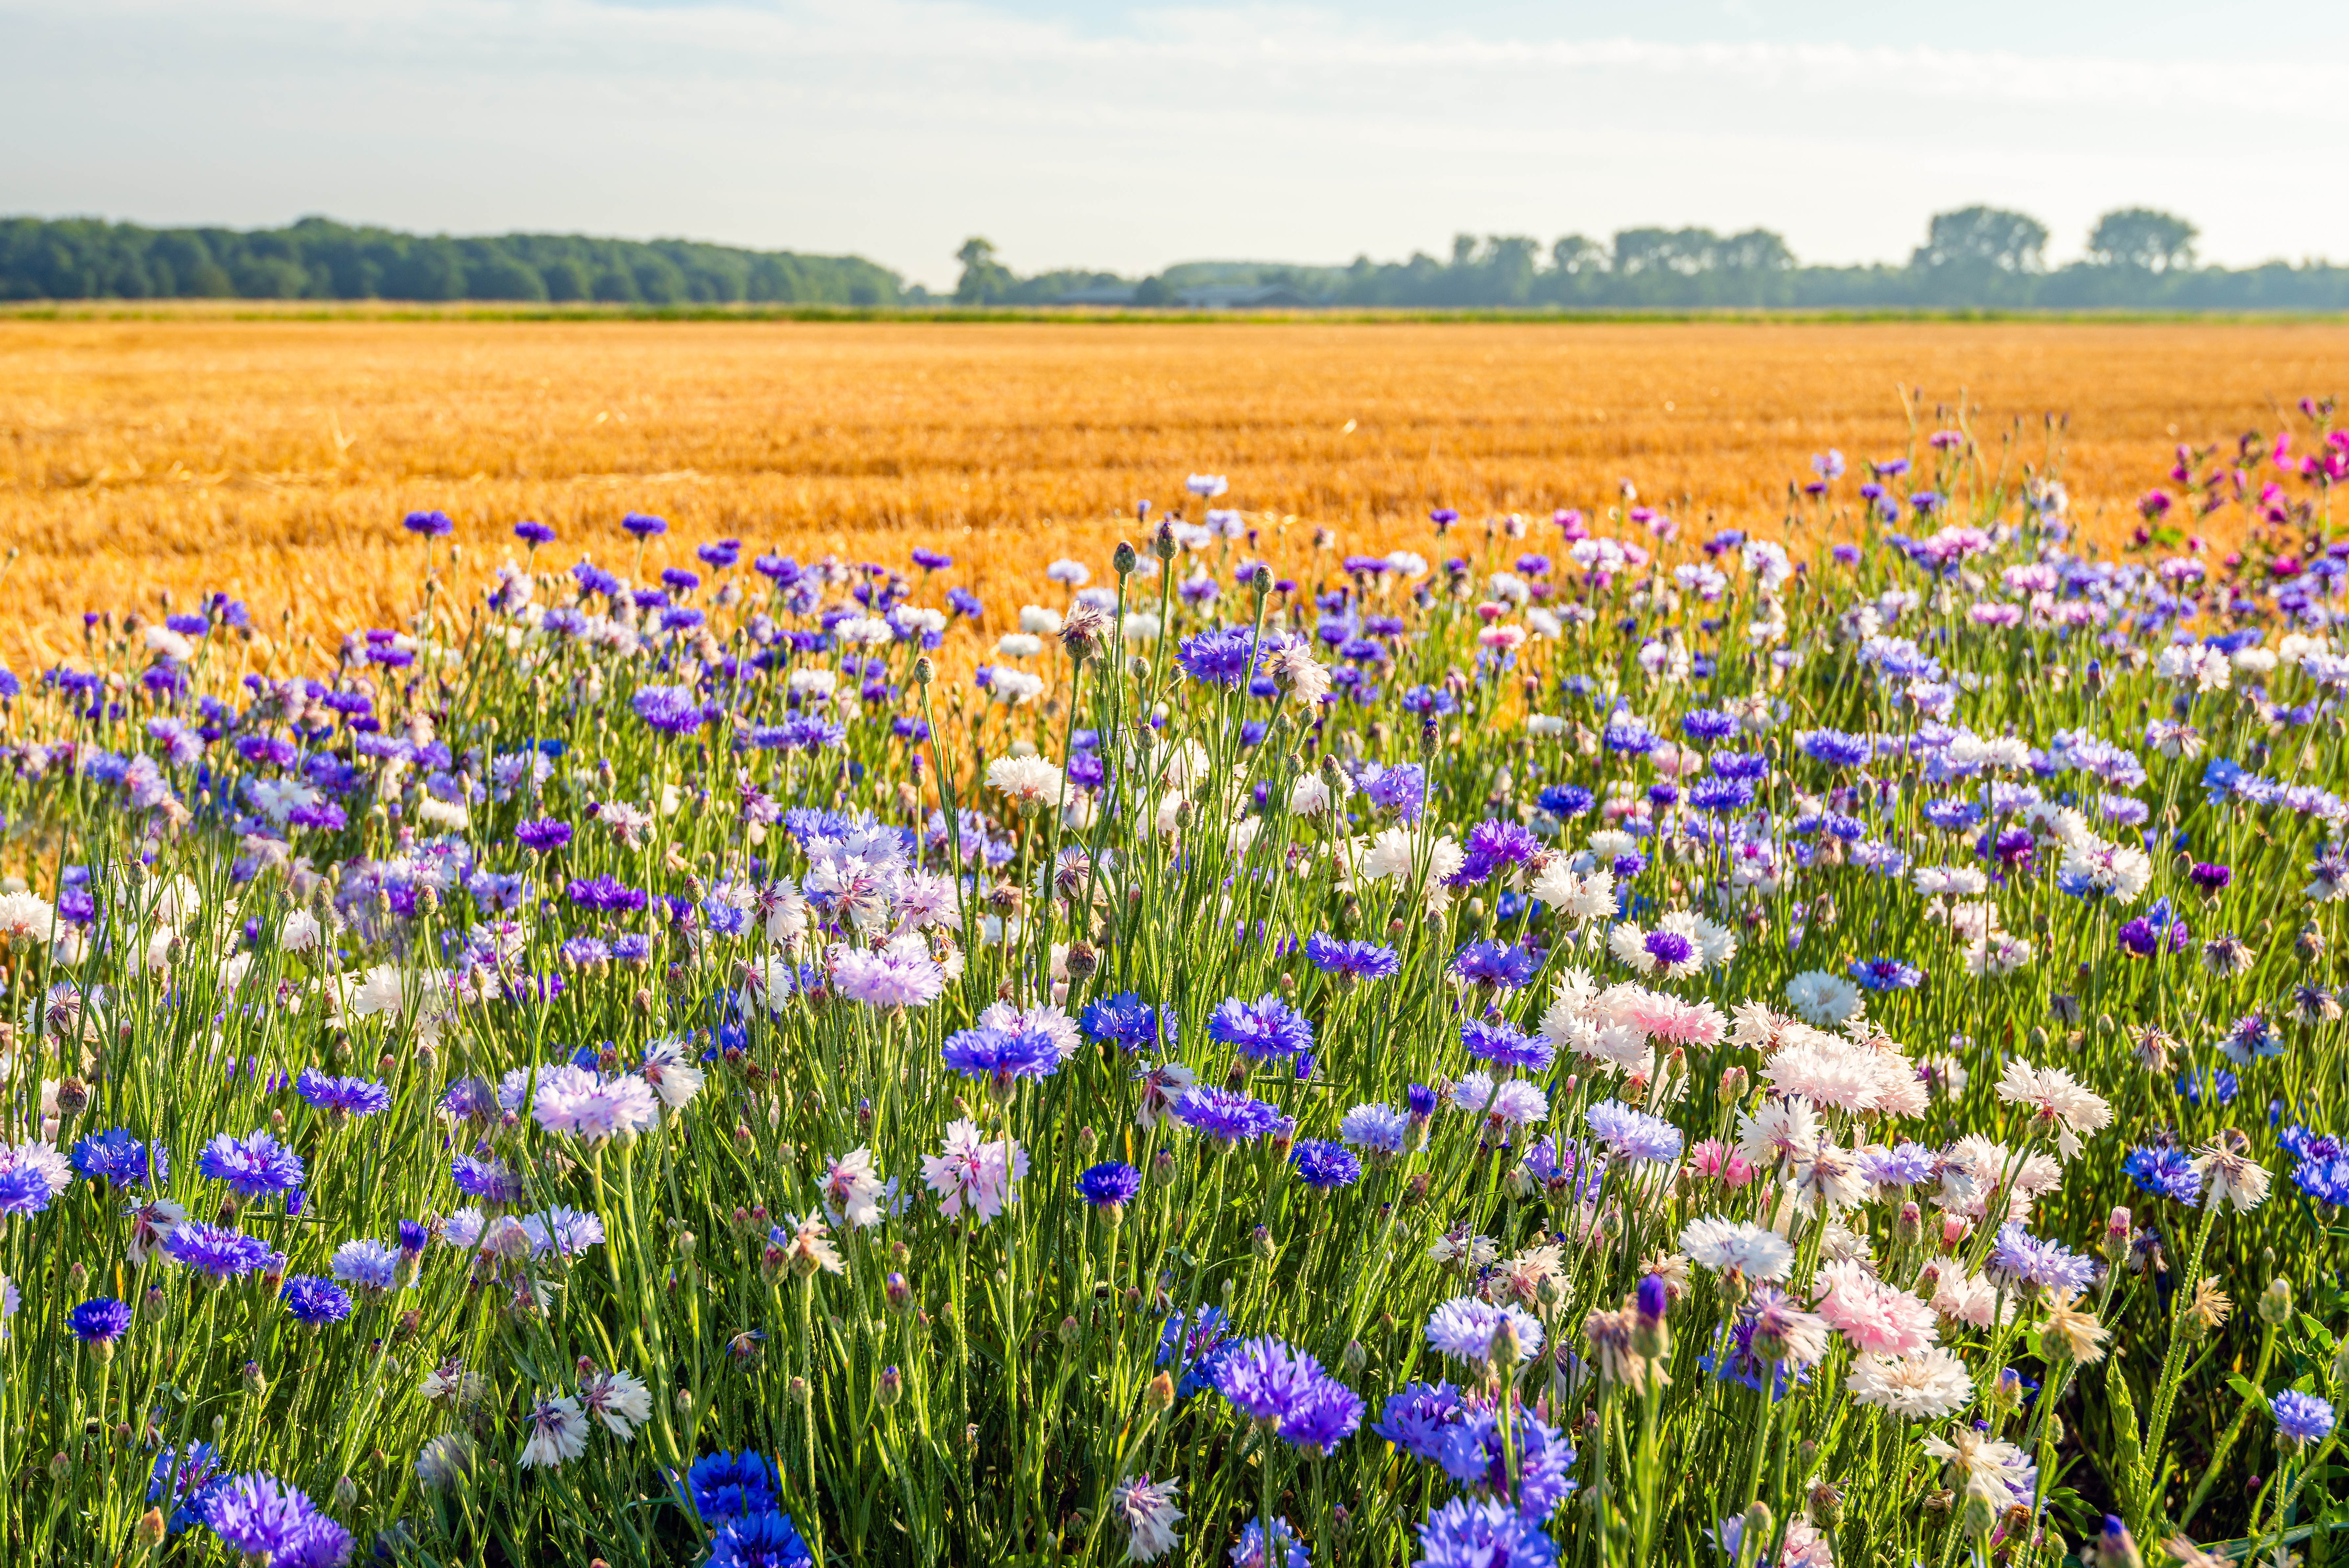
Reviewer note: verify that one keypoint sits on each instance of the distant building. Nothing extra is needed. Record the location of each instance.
(1243, 296)
(1112, 294)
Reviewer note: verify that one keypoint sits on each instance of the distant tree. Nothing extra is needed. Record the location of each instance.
(567, 279)
(2142, 239)
(1755, 250)
(1577, 253)
(1152, 291)
(984, 279)
(1983, 239)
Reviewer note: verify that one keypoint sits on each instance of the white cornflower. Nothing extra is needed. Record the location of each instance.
(558, 1433)
(618, 1400)
(1024, 781)
(2060, 1100)
(1924, 1386)
(1146, 1509)
(1714, 1243)
(1823, 999)
(2228, 1176)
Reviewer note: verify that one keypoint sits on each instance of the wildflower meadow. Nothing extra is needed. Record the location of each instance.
(1588, 1040)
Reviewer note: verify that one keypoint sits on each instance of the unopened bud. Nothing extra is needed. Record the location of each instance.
(347, 1493)
(685, 1402)
(1122, 560)
(891, 1388)
(1826, 1507)
(1506, 1344)
(148, 1534)
(2275, 1303)
(1909, 1225)
(1159, 1393)
(1353, 1355)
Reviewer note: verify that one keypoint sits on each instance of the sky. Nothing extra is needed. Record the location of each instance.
(1126, 137)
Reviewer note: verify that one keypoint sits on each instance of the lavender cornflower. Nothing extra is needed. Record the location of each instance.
(254, 1166)
(1835, 748)
(263, 1518)
(1529, 1459)
(1277, 1548)
(1380, 1130)
(1266, 1380)
(366, 1264)
(2301, 1418)
(2018, 1257)
(1402, 790)
(543, 836)
(1324, 1165)
(1464, 1328)
(1633, 1135)
(1223, 658)
(23, 1190)
(1002, 1056)
(491, 1181)
(1326, 1413)
(1482, 1532)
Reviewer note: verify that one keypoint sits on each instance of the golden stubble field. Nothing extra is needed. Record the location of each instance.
(274, 459)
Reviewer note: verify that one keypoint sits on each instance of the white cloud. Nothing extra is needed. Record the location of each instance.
(896, 128)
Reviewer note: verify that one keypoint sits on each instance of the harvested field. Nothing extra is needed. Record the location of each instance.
(274, 458)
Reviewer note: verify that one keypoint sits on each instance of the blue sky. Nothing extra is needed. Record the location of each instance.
(1128, 136)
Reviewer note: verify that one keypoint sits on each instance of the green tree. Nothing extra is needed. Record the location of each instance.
(1980, 239)
(984, 279)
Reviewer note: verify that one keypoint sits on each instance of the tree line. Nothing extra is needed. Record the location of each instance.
(1976, 258)
(81, 258)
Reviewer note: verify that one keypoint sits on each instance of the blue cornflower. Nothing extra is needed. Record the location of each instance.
(118, 1158)
(342, 1096)
(1110, 1185)
(185, 1488)
(1226, 1114)
(1504, 1044)
(766, 1540)
(1566, 800)
(1266, 1380)
(1903, 1165)
(1503, 966)
(2200, 1084)
(1720, 795)
(1199, 1355)
(1125, 1018)
(2164, 1172)
(1706, 725)
(260, 1516)
(1420, 1100)
(1627, 736)
(1418, 1417)
(100, 1321)
(1323, 1415)
(1002, 1056)
(1885, 975)
(314, 1300)
(1278, 1549)
(1324, 1165)
(1835, 748)
(643, 525)
(254, 1166)
(1261, 1030)
(1350, 961)
(1482, 1532)
(1746, 767)
(1492, 845)
(730, 1486)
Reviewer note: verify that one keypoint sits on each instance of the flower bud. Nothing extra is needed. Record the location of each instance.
(148, 1534)
(1909, 1225)
(2118, 1226)
(1505, 1345)
(923, 671)
(1158, 1393)
(1070, 1331)
(2275, 1303)
(255, 1382)
(346, 1494)
(1353, 1356)
(2116, 1549)
(891, 1388)
(900, 1295)
(1088, 1141)
(1122, 560)
(61, 1467)
(798, 1391)
(1826, 1507)
(685, 1402)
(1980, 1510)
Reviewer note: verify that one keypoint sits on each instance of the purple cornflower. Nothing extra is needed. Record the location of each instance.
(1325, 1166)
(1478, 1453)
(255, 1165)
(262, 1517)
(23, 1190)
(1262, 1030)
(1354, 961)
(1503, 966)
(931, 560)
(605, 895)
(1484, 1533)
(431, 524)
(672, 710)
(643, 525)
(1198, 1354)
(1324, 1415)
(491, 1181)
(1885, 975)
(1265, 1380)
(1273, 1547)
(100, 1321)
(533, 534)
(1401, 789)
(1718, 795)
(1492, 845)
(214, 1251)
(1707, 726)
(1226, 1114)
(2209, 878)
(1504, 1044)
(1111, 1184)
(313, 1301)
(1669, 948)
(342, 1096)
(544, 835)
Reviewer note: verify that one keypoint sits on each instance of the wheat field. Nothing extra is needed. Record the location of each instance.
(274, 459)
